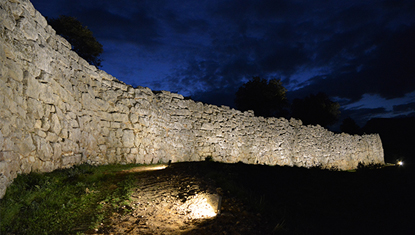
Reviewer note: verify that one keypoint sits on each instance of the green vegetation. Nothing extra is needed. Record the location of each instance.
(64, 201)
(266, 98)
(80, 37)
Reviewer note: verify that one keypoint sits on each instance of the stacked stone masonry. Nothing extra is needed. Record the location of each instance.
(57, 111)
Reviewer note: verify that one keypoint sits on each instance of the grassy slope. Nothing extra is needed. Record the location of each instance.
(62, 202)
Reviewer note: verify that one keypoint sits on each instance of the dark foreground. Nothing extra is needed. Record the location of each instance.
(255, 200)
(276, 200)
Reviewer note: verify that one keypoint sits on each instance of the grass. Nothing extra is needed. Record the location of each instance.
(63, 201)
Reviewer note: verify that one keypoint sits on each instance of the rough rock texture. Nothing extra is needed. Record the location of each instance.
(56, 110)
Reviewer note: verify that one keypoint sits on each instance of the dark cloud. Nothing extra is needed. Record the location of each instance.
(138, 29)
(404, 107)
(183, 24)
(347, 49)
(386, 70)
(283, 58)
(361, 115)
(121, 21)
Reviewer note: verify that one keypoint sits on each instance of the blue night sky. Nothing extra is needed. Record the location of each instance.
(360, 53)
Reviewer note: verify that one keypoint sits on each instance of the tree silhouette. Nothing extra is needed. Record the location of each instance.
(316, 109)
(349, 126)
(81, 38)
(265, 98)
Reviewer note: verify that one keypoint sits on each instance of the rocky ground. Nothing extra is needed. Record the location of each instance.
(180, 200)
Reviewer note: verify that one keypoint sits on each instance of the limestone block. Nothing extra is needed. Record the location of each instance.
(105, 76)
(45, 124)
(34, 88)
(113, 140)
(1, 140)
(28, 6)
(105, 116)
(100, 139)
(130, 158)
(14, 70)
(48, 166)
(107, 83)
(120, 117)
(55, 124)
(63, 42)
(126, 125)
(115, 125)
(25, 166)
(53, 42)
(52, 137)
(57, 151)
(42, 58)
(11, 105)
(84, 122)
(75, 134)
(101, 104)
(104, 124)
(142, 93)
(207, 126)
(134, 150)
(71, 115)
(88, 141)
(121, 108)
(89, 102)
(69, 147)
(119, 85)
(182, 112)
(8, 156)
(73, 123)
(25, 145)
(8, 22)
(133, 117)
(4, 172)
(40, 20)
(110, 96)
(64, 133)
(28, 28)
(62, 93)
(68, 161)
(128, 138)
(44, 149)
(103, 148)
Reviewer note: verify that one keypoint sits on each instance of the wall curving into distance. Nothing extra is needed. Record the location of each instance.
(57, 111)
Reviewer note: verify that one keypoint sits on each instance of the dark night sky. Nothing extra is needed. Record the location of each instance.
(360, 53)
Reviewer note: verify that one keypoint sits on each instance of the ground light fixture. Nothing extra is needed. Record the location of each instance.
(399, 163)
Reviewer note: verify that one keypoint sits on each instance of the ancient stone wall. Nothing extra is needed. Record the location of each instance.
(56, 111)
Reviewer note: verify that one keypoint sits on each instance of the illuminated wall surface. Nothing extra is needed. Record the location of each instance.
(58, 111)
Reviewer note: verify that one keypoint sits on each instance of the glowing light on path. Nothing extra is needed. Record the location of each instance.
(399, 163)
(145, 168)
(198, 207)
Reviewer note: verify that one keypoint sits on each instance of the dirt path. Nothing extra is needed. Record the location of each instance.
(178, 200)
